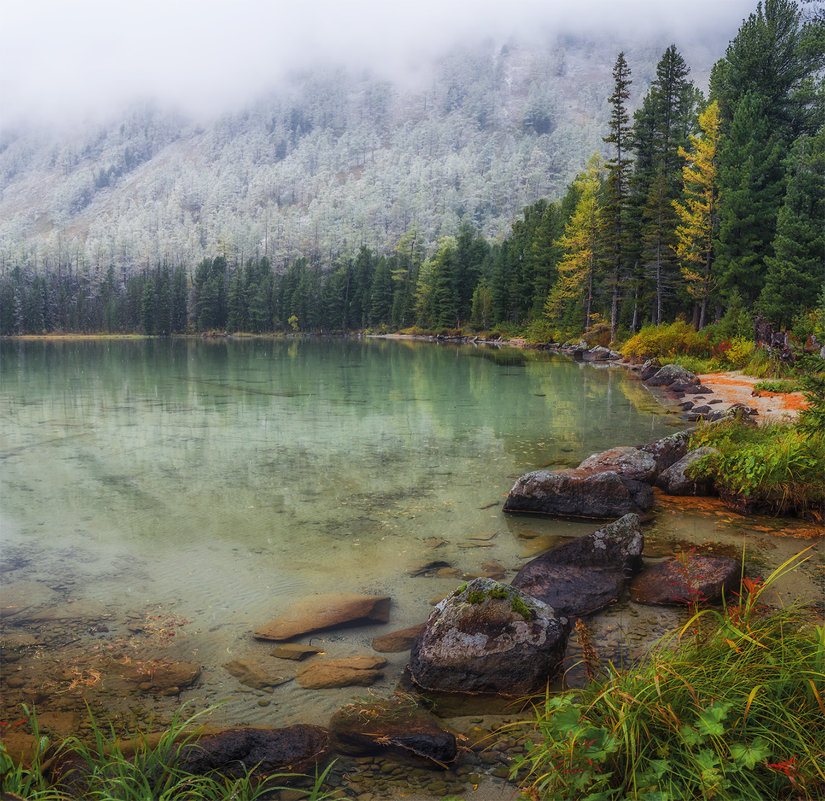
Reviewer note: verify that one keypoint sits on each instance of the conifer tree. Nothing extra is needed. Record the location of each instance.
(615, 210)
(751, 177)
(699, 211)
(796, 272)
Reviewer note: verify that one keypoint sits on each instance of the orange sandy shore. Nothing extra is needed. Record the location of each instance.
(734, 387)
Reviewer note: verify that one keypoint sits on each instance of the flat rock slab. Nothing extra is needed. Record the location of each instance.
(260, 674)
(489, 638)
(236, 752)
(353, 671)
(326, 611)
(81, 611)
(675, 582)
(294, 651)
(588, 573)
(397, 641)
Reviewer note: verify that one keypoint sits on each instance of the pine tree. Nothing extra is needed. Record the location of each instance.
(614, 212)
(796, 272)
(699, 211)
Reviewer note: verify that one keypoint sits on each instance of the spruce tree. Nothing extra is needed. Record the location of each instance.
(751, 179)
(615, 212)
(796, 272)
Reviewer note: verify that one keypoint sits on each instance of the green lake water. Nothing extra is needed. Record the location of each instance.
(211, 483)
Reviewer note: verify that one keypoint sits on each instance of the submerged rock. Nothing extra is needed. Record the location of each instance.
(695, 577)
(236, 752)
(397, 641)
(259, 674)
(358, 671)
(489, 638)
(324, 612)
(579, 493)
(395, 725)
(588, 573)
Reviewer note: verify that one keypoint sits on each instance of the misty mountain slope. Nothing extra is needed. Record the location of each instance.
(331, 162)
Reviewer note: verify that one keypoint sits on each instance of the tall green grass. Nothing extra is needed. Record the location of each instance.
(102, 770)
(730, 707)
(776, 468)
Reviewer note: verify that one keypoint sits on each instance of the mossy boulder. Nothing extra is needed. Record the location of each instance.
(489, 638)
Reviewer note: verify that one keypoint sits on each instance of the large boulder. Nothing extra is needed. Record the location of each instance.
(587, 573)
(670, 374)
(667, 450)
(579, 493)
(324, 612)
(488, 638)
(259, 751)
(674, 480)
(630, 463)
(693, 579)
(394, 726)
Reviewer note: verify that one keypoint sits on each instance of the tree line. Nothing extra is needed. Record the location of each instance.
(698, 205)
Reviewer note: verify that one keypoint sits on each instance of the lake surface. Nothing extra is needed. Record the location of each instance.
(205, 485)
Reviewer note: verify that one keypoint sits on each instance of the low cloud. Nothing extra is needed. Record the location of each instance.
(61, 58)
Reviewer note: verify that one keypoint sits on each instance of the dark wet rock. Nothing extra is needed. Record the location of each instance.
(326, 611)
(674, 480)
(698, 389)
(260, 674)
(351, 671)
(395, 725)
(693, 577)
(686, 405)
(489, 638)
(630, 463)
(579, 493)
(236, 752)
(702, 410)
(597, 354)
(649, 369)
(397, 641)
(667, 450)
(670, 374)
(588, 573)
(426, 568)
(293, 651)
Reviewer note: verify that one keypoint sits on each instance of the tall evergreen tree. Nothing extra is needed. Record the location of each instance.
(751, 175)
(616, 207)
(796, 272)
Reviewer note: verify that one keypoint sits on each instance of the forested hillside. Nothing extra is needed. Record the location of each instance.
(344, 202)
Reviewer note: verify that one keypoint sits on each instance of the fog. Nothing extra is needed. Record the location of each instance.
(62, 59)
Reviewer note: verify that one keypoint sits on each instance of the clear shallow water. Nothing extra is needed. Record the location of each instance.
(214, 482)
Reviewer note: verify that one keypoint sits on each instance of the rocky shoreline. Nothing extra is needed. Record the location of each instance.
(513, 623)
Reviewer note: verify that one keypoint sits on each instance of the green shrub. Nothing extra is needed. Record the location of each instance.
(777, 468)
(777, 386)
(730, 707)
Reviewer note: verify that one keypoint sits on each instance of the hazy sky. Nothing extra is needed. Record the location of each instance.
(58, 56)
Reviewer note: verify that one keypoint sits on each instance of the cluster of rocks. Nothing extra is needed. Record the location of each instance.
(698, 402)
